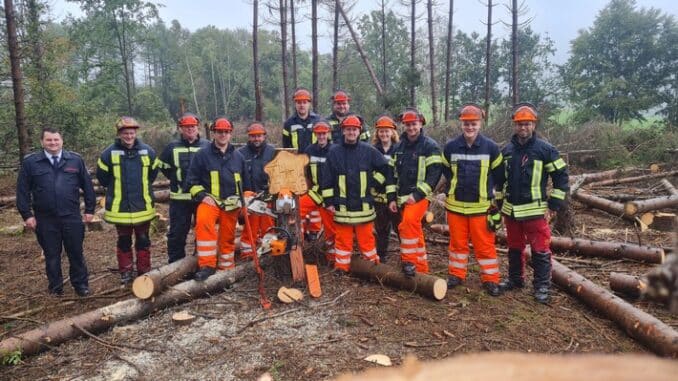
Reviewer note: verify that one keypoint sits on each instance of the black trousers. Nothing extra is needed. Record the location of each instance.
(180, 215)
(385, 221)
(55, 233)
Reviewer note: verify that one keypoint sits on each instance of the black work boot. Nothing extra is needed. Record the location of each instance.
(203, 273)
(491, 288)
(516, 269)
(453, 281)
(126, 278)
(409, 269)
(541, 263)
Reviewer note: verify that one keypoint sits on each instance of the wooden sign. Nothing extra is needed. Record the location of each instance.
(287, 170)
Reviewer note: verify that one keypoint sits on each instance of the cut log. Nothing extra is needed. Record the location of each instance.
(423, 284)
(614, 208)
(633, 179)
(623, 197)
(58, 332)
(590, 248)
(666, 222)
(632, 208)
(650, 331)
(669, 187)
(182, 318)
(586, 178)
(289, 295)
(153, 282)
(627, 284)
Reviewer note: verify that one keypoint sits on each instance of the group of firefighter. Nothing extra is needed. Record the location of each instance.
(361, 189)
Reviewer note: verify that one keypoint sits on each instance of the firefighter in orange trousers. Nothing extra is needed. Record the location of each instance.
(353, 167)
(216, 179)
(385, 141)
(317, 153)
(417, 169)
(473, 165)
(257, 154)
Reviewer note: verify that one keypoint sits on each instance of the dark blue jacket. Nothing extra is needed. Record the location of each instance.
(51, 191)
(174, 162)
(128, 175)
(417, 167)
(298, 133)
(337, 136)
(380, 190)
(255, 160)
(317, 164)
(473, 172)
(221, 175)
(528, 167)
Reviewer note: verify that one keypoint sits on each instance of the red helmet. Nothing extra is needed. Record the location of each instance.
(126, 122)
(412, 115)
(341, 96)
(302, 95)
(221, 124)
(385, 121)
(321, 126)
(256, 128)
(471, 111)
(352, 121)
(525, 112)
(188, 119)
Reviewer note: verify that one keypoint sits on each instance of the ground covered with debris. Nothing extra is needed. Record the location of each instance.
(234, 339)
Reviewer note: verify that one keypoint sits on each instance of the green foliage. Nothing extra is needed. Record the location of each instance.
(11, 358)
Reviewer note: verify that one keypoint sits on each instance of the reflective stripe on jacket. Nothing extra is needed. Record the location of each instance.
(255, 160)
(127, 174)
(417, 167)
(337, 136)
(174, 162)
(221, 175)
(317, 164)
(473, 173)
(379, 191)
(298, 133)
(527, 169)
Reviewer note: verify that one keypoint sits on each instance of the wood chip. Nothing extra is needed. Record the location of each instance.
(382, 360)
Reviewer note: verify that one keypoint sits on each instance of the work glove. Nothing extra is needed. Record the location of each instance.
(493, 218)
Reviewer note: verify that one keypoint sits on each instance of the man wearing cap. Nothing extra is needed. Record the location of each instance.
(417, 169)
(127, 168)
(353, 167)
(527, 206)
(298, 129)
(313, 202)
(257, 154)
(473, 166)
(173, 163)
(341, 108)
(217, 178)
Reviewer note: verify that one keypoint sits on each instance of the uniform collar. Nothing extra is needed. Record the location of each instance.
(186, 142)
(460, 141)
(60, 154)
(515, 141)
(119, 143)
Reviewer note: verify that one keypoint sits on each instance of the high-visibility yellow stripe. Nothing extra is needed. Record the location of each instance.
(180, 196)
(145, 186)
(286, 133)
(496, 162)
(469, 208)
(102, 165)
(558, 194)
(214, 183)
(117, 182)
(314, 173)
(535, 208)
(536, 180)
(342, 186)
(295, 140)
(126, 218)
(195, 189)
(238, 183)
(434, 159)
(482, 180)
(379, 178)
(327, 193)
(453, 180)
(559, 163)
(363, 184)
(391, 188)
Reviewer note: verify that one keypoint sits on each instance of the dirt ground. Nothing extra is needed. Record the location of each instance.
(315, 339)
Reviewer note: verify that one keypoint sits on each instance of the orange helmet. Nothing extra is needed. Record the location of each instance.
(525, 112)
(412, 115)
(126, 122)
(256, 128)
(471, 111)
(302, 95)
(321, 126)
(340, 96)
(221, 124)
(188, 119)
(385, 121)
(352, 121)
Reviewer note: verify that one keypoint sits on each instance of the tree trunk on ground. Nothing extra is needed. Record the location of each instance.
(258, 106)
(432, 65)
(356, 40)
(283, 56)
(626, 284)
(60, 331)
(666, 222)
(413, 44)
(586, 178)
(488, 61)
(633, 179)
(655, 335)
(423, 284)
(17, 81)
(632, 208)
(669, 187)
(448, 61)
(614, 208)
(154, 282)
(314, 51)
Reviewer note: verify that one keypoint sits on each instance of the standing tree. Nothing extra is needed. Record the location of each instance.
(448, 60)
(413, 52)
(283, 54)
(293, 25)
(432, 66)
(258, 110)
(314, 50)
(488, 60)
(17, 84)
(515, 95)
(335, 47)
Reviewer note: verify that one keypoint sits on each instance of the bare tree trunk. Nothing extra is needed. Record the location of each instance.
(383, 43)
(17, 81)
(335, 47)
(488, 63)
(413, 31)
(190, 76)
(314, 50)
(448, 60)
(380, 91)
(283, 45)
(514, 53)
(294, 47)
(121, 36)
(432, 65)
(214, 88)
(258, 108)
(34, 38)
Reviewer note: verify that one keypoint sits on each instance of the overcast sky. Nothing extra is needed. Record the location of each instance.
(560, 19)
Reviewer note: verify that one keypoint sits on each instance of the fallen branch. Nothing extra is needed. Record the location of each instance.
(633, 179)
(626, 284)
(632, 208)
(669, 187)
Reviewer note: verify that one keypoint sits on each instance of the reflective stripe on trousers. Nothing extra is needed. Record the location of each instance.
(412, 244)
(209, 241)
(344, 244)
(474, 228)
(310, 216)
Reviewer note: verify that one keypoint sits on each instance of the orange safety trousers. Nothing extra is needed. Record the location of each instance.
(206, 240)
(258, 224)
(344, 244)
(463, 228)
(327, 219)
(310, 214)
(412, 244)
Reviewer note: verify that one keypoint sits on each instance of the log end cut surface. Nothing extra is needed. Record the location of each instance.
(143, 287)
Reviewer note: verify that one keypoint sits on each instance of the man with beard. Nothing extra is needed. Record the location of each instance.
(341, 108)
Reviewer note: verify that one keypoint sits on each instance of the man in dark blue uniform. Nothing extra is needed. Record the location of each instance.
(48, 199)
